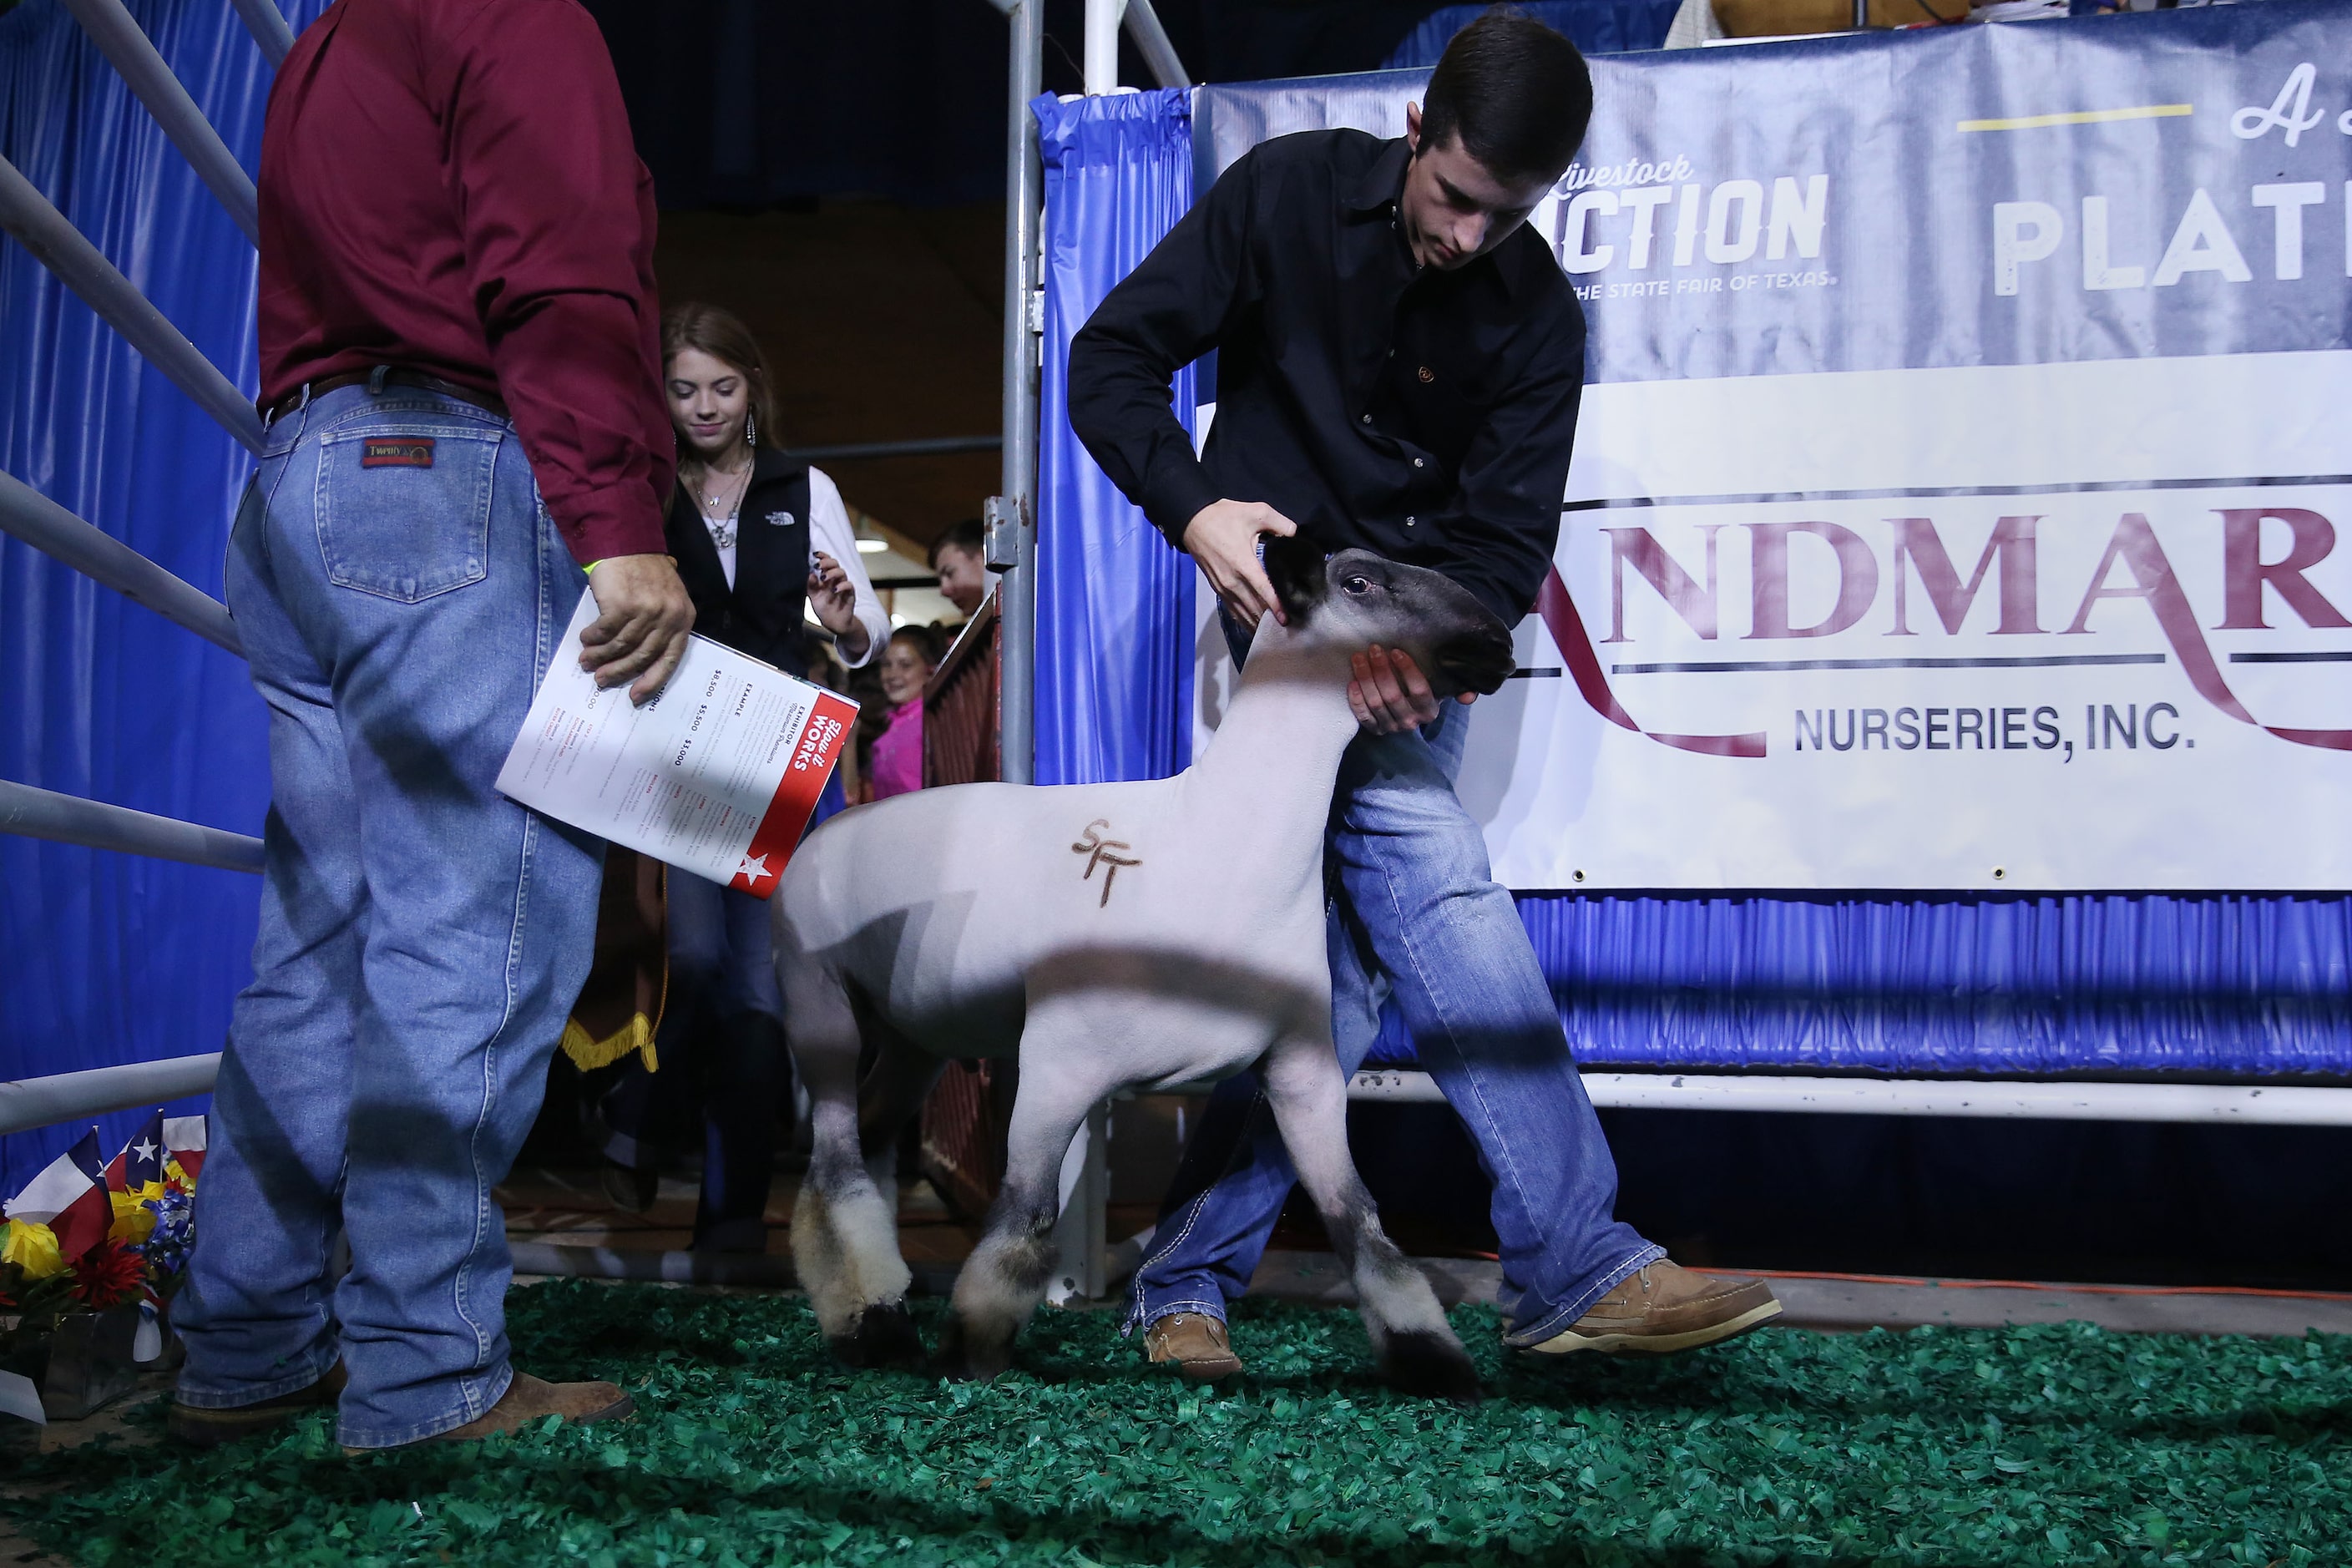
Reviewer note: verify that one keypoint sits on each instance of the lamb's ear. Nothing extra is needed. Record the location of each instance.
(1295, 566)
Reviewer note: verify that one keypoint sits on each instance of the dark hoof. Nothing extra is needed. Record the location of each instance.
(1430, 1366)
(961, 1360)
(883, 1336)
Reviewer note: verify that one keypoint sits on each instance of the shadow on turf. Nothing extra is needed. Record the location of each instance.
(1575, 1389)
(642, 1342)
(1724, 1379)
(708, 1506)
(624, 1501)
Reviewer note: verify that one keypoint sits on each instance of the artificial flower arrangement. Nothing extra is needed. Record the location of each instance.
(87, 1238)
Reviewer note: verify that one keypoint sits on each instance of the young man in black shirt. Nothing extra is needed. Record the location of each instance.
(1399, 364)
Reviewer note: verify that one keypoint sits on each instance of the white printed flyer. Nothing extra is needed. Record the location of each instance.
(716, 775)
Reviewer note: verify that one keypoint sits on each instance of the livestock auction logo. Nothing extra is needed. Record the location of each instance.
(1657, 215)
(1963, 632)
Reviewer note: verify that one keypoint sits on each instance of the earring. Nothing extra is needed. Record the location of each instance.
(751, 430)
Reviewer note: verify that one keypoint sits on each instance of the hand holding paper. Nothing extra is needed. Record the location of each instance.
(717, 774)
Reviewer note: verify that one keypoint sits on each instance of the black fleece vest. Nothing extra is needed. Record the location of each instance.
(762, 614)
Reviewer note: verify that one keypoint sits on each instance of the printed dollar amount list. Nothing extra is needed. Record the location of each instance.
(717, 775)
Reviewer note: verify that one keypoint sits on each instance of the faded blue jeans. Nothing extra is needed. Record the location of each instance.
(421, 938)
(1416, 911)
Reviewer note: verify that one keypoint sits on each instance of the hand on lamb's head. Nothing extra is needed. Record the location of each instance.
(1296, 567)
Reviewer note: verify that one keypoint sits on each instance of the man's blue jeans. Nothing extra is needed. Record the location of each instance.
(422, 939)
(1416, 910)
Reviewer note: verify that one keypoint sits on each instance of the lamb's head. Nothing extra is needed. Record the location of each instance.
(1357, 598)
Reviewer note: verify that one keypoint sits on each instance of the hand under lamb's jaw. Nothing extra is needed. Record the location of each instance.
(1459, 643)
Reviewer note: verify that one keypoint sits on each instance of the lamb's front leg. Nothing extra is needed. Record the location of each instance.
(844, 1230)
(1006, 1276)
(1418, 1353)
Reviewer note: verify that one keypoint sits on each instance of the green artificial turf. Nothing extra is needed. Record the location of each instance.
(2035, 1446)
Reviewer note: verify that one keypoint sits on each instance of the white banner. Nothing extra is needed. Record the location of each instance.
(2101, 646)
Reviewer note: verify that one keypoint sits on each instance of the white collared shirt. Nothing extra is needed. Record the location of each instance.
(830, 530)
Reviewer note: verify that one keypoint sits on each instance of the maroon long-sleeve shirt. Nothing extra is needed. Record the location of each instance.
(449, 185)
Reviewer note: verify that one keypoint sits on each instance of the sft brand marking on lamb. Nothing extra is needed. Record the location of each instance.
(1101, 854)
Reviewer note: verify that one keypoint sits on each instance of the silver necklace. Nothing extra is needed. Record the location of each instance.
(723, 531)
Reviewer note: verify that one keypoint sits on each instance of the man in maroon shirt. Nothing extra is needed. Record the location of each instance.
(459, 361)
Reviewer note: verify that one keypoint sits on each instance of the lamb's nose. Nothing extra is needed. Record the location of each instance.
(1481, 657)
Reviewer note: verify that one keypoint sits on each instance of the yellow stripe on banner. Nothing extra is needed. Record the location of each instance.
(2083, 117)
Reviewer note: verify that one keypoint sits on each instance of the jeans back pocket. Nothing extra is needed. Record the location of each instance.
(404, 505)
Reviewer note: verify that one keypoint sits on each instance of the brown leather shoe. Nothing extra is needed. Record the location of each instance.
(529, 1398)
(1195, 1344)
(1665, 1308)
(202, 1428)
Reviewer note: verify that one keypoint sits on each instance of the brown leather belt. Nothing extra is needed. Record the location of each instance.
(391, 377)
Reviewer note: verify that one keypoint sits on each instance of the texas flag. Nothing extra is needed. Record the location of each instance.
(69, 1197)
(183, 1139)
(141, 1160)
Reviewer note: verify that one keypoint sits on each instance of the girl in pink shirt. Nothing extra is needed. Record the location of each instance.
(906, 662)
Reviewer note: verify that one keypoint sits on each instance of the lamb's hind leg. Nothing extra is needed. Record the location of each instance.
(1418, 1350)
(1005, 1278)
(844, 1233)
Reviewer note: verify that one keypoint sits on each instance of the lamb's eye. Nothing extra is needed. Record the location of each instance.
(1358, 584)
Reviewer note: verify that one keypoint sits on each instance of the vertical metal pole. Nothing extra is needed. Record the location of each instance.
(1081, 1235)
(1102, 44)
(1016, 556)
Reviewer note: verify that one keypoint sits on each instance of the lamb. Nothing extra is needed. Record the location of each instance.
(1135, 935)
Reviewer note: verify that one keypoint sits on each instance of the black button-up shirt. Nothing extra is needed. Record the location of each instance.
(1427, 416)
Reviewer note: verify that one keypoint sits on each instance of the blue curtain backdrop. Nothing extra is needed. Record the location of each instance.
(2086, 985)
(1114, 599)
(1596, 26)
(110, 958)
